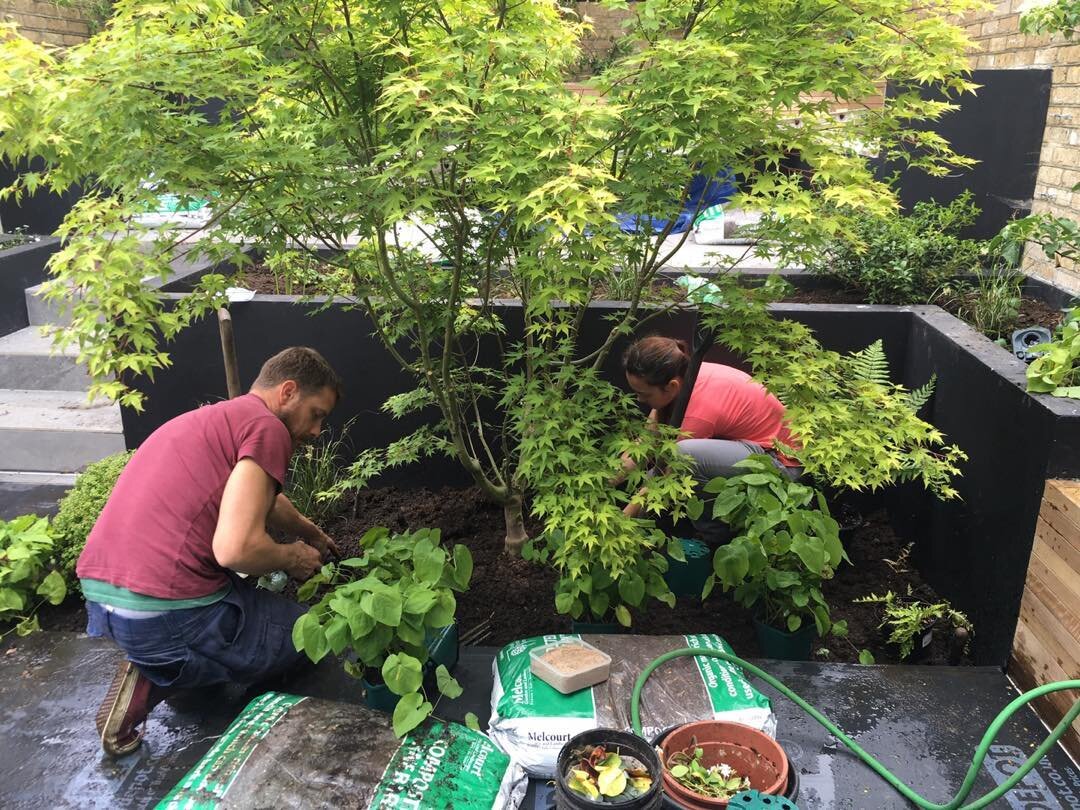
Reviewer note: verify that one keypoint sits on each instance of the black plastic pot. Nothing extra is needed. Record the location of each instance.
(620, 742)
(923, 643)
(791, 792)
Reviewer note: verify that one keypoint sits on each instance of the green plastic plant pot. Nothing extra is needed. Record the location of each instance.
(379, 697)
(777, 643)
(443, 646)
(688, 578)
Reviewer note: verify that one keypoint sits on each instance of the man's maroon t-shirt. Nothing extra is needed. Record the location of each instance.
(155, 535)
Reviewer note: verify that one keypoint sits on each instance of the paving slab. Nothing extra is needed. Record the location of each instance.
(22, 498)
(923, 722)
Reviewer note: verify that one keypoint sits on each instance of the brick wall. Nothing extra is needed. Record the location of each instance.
(607, 27)
(1000, 45)
(44, 21)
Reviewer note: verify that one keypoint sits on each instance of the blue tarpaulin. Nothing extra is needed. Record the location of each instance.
(704, 192)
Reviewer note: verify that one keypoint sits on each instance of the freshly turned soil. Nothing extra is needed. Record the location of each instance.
(515, 599)
(510, 598)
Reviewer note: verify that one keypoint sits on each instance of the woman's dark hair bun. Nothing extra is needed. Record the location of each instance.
(657, 359)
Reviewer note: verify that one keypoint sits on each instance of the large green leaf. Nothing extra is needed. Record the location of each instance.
(384, 606)
(446, 682)
(442, 612)
(811, 551)
(632, 589)
(402, 673)
(428, 564)
(337, 634)
(53, 588)
(463, 566)
(419, 599)
(410, 712)
(11, 600)
(731, 564)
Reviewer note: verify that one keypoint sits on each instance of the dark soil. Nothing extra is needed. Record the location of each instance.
(511, 599)
(1033, 311)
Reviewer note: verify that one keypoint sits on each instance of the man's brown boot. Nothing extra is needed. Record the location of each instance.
(127, 703)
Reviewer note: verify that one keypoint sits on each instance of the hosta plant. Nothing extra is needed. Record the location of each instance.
(28, 578)
(786, 545)
(381, 607)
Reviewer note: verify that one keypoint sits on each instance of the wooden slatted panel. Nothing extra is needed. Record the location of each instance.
(1047, 643)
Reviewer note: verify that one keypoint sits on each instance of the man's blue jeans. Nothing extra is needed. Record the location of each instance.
(244, 638)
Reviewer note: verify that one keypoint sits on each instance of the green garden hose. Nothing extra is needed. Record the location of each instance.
(904, 790)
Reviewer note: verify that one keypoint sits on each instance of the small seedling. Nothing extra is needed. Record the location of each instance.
(719, 781)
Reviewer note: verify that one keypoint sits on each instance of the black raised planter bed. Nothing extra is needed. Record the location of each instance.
(973, 551)
(21, 266)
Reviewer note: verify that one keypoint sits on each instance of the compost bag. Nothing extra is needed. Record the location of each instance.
(531, 721)
(289, 751)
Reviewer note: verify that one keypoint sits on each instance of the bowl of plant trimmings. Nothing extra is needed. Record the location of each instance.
(605, 767)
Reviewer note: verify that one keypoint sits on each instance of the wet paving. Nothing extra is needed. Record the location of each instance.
(922, 722)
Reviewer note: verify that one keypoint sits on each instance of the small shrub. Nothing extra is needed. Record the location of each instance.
(80, 508)
(904, 259)
(26, 572)
(991, 305)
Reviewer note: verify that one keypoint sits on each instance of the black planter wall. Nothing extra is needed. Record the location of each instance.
(974, 551)
(21, 267)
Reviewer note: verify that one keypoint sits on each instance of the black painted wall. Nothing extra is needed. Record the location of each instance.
(21, 267)
(1001, 126)
(974, 551)
(39, 213)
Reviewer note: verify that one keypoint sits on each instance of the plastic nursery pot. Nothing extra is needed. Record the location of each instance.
(443, 648)
(921, 646)
(688, 578)
(790, 791)
(752, 753)
(619, 742)
(776, 643)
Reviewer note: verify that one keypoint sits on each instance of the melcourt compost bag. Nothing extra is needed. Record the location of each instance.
(289, 751)
(531, 721)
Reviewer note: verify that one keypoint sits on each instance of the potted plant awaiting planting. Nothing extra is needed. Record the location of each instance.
(605, 767)
(911, 625)
(785, 546)
(709, 762)
(393, 609)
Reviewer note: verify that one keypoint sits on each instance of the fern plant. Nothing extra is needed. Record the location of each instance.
(906, 617)
(857, 429)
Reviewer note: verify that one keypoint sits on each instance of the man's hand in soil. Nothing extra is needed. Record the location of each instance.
(321, 542)
(286, 517)
(306, 561)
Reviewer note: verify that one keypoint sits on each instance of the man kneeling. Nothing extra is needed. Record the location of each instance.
(188, 513)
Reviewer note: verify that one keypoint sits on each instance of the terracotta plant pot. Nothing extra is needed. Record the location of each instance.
(750, 752)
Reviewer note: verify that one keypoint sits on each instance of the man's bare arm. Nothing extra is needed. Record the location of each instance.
(286, 517)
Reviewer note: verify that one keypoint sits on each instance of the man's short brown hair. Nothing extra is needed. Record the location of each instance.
(304, 366)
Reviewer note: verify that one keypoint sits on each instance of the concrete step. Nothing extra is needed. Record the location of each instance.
(28, 362)
(56, 431)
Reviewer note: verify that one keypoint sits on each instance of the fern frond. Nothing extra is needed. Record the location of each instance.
(870, 365)
(918, 397)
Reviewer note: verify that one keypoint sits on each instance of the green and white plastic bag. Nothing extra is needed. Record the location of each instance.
(531, 721)
(289, 751)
